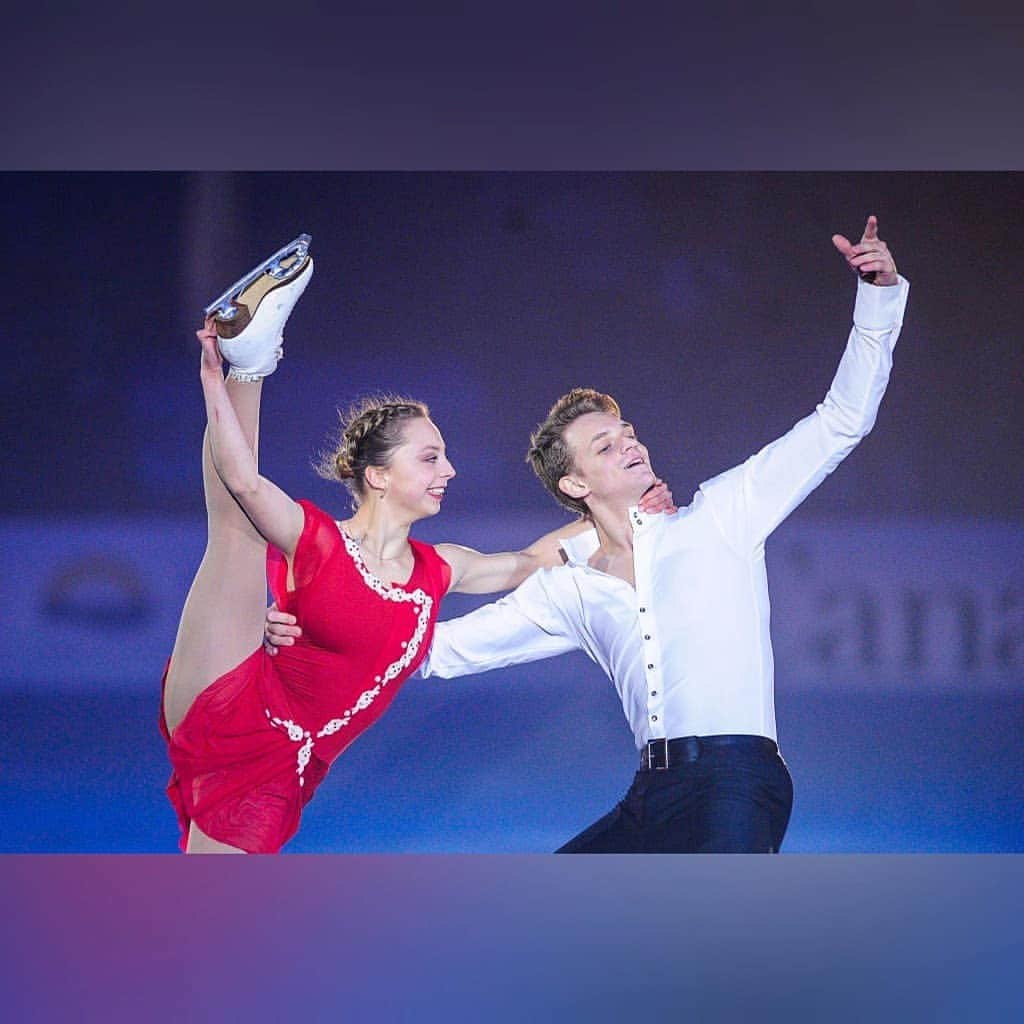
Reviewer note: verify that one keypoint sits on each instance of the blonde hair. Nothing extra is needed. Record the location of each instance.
(549, 454)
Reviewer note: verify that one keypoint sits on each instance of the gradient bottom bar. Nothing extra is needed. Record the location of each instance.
(469, 938)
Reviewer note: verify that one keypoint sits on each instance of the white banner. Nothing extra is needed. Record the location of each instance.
(856, 605)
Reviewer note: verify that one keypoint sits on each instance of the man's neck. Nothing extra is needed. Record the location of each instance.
(614, 533)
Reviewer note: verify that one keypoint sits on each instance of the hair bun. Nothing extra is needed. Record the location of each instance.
(344, 457)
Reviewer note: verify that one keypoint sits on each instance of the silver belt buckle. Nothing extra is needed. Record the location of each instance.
(649, 752)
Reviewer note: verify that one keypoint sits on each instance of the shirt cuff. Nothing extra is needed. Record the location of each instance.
(880, 307)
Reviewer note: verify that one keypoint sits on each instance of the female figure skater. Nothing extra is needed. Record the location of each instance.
(250, 736)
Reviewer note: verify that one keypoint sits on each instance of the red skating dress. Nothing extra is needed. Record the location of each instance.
(256, 743)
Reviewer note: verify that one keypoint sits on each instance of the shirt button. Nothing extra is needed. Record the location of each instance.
(650, 666)
(654, 693)
(654, 718)
(642, 610)
(647, 636)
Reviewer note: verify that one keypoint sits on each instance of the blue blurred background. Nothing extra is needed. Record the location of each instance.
(711, 304)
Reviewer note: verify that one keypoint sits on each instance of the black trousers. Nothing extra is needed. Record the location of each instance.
(726, 794)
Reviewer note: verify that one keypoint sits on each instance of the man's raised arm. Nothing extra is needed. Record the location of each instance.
(749, 501)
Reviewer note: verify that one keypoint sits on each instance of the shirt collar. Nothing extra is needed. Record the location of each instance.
(638, 520)
(578, 549)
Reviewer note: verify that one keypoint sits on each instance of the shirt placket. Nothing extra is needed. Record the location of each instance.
(649, 640)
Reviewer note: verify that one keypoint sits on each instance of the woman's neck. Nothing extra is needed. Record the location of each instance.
(376, 533)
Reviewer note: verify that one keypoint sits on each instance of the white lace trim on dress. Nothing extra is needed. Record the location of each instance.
(422, 601)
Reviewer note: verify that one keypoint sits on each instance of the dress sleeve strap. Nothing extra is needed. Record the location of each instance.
(439, 570)
(319, 539)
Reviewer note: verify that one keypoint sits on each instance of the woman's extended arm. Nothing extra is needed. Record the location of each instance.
(273, 513)
(476, 573)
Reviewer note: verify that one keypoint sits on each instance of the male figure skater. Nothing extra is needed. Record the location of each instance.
(675, 608)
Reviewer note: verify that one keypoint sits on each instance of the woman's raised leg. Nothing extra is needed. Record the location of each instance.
(222, 621)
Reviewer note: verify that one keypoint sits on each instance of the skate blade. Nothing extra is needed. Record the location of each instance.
(247, 304)
(285, 264)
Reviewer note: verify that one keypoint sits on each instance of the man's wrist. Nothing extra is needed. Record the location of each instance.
(880, 307)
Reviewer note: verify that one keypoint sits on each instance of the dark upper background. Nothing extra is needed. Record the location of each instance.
(711, 304)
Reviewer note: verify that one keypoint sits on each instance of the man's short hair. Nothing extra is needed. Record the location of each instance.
(549, 454)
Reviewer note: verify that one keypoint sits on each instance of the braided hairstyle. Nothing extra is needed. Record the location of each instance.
(370, 431)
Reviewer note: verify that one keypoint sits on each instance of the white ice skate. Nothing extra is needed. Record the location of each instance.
(250, 316)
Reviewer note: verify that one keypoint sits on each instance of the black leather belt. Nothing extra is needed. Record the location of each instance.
(661, 754)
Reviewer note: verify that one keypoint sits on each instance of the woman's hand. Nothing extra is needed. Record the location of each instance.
(657, 498)
(211, 361)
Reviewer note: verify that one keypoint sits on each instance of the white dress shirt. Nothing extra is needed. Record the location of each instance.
(689, 649)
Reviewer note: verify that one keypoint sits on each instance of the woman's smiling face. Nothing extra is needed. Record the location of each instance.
(419, 470)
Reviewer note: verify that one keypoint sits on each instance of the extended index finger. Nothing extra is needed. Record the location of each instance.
(870, 229)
